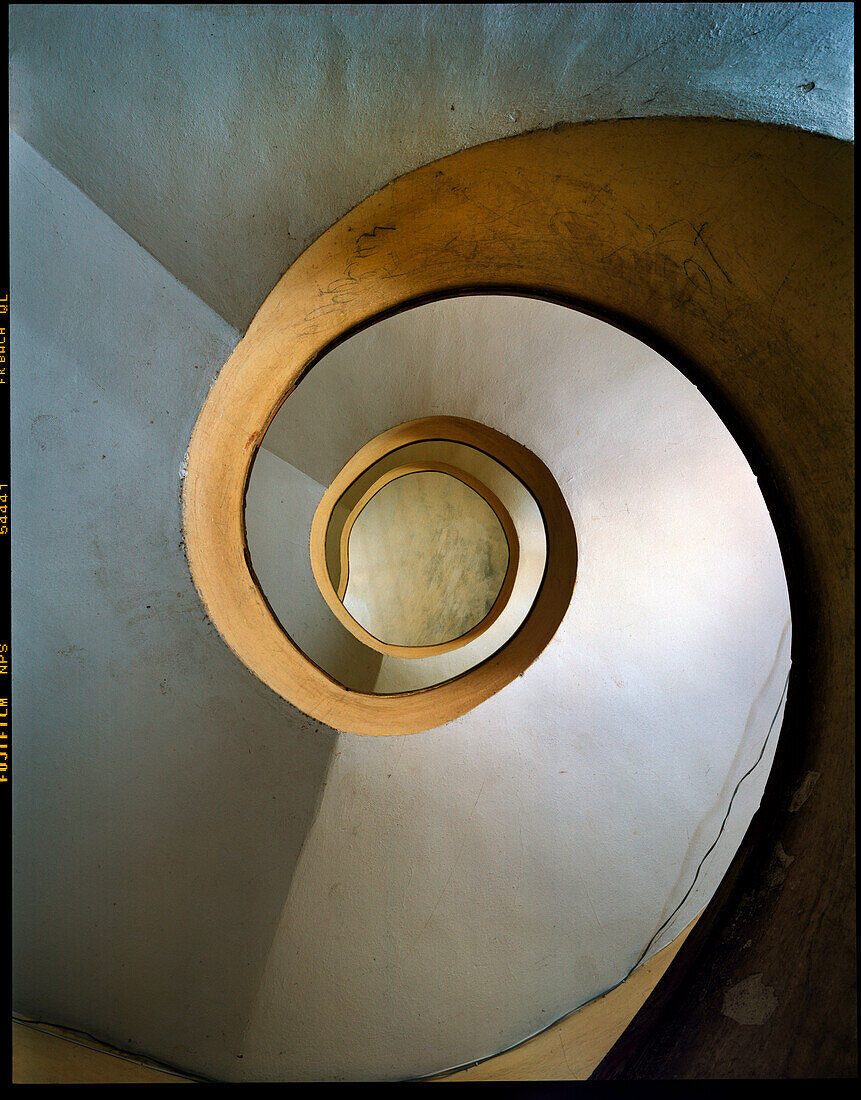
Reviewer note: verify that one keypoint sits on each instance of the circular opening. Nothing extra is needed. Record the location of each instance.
(426, 550)
(425, 558)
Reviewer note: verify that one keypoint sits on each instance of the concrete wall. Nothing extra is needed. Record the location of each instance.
(457, 888)
(279, 507)
(535, 845)
(162, 793)
(234, 134)
(202, 873)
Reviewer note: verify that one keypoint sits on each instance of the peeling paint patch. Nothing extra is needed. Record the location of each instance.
(749, 1002)
(781, 861)
(803, 792)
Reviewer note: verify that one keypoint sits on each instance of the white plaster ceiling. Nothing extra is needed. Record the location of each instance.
(538, 844)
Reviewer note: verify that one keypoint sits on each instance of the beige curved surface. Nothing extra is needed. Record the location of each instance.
(43, 1054)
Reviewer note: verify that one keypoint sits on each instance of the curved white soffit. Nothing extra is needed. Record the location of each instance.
(463, 887)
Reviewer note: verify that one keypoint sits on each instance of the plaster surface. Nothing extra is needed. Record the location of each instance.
(162, 792)
(157, 776)
(226, 138)
(230, 888)
(280, 503)
(279, 507)
(427, 560)
(584, 795)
